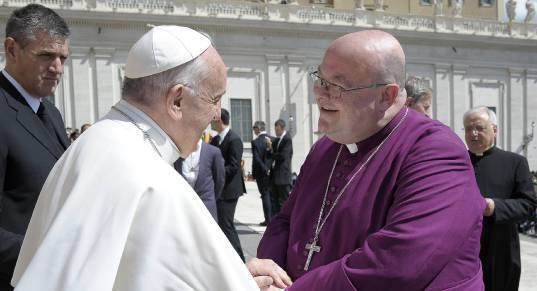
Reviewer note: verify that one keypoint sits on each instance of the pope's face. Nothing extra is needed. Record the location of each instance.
(203, 105)
(345, 117)
(479, 133)
(39, 65)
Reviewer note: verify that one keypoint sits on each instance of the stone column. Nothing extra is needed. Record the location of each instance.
(444, 101)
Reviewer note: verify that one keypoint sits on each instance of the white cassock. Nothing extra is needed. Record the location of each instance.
(114, 215)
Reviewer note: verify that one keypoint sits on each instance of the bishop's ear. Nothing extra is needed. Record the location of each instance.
(174, 100)
(389, 94)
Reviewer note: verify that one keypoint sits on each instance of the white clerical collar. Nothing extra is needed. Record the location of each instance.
(483, 152)
(352, 147)
(166, 147)
(223, 134)
(34, 102)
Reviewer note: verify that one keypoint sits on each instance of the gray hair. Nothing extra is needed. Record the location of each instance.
(259, 124)
(25, 22)
(420, 94)
(483, 110)
(144, 90)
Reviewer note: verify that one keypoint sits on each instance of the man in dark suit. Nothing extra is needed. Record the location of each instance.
(505, 182)
(230, 145)
(204, 171)
(261, 164)
(281, 151)
(32, 132)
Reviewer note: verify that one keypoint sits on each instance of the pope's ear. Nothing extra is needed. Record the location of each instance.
(174, 100)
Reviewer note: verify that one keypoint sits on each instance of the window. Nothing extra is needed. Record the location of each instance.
(486, 3)
(241, 118)
(426, 2)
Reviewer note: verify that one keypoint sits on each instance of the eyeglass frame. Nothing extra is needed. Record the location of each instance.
(316, 77)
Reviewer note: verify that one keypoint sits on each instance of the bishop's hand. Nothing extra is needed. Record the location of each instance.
(261, 268)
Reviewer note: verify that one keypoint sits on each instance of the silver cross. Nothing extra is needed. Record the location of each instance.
(313, 247)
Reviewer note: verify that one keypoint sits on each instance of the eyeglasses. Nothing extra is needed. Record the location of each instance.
(336, 90)
(476, 129)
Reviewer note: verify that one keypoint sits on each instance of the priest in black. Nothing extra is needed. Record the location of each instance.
(32, 132)
(505, 182)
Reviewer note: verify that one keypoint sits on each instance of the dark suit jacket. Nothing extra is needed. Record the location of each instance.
(231, 148)
(211, 176)
(261, 161)
(282, 154)
(27, 154)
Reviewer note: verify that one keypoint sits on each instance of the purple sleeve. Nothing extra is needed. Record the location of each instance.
(273, 244)
(434, 219)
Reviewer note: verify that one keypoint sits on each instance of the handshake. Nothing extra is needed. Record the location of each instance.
(268, 275)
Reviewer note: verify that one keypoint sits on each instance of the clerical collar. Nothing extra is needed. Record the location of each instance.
(486, 152)
(34, 102)
(352, 147)
(165, 146)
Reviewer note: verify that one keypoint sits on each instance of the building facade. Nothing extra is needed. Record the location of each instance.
(269, 49)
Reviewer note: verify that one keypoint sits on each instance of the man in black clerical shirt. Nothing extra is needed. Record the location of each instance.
(505, 182)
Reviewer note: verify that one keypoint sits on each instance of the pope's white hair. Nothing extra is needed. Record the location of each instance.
(483, 110)
(147, 90)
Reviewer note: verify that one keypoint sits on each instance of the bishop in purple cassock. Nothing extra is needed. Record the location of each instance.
(398, 210)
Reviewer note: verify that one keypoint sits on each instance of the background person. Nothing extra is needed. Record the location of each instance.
(32, 133)
(505, 182)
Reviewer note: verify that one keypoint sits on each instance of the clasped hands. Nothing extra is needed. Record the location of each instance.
(268, 275)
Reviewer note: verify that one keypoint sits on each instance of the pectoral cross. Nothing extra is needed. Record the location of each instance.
(313, 247)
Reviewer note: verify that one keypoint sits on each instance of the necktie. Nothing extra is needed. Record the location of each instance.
(47, 122)
(178, 165)
(216, 140)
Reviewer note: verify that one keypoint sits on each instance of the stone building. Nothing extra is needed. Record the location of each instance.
(468, 58)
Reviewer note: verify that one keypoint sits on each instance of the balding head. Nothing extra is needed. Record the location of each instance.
(376, 52)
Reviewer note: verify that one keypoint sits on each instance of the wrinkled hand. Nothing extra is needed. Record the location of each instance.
(489, 209)
(271, 288)
(262, 268)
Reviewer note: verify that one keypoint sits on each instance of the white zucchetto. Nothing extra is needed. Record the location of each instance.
(162, 48)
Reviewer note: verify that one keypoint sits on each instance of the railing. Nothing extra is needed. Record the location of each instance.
(229, 9)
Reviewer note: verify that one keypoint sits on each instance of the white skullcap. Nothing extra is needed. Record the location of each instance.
(162, 48)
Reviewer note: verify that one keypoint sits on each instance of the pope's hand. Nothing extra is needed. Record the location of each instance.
(271, 288)
(260, 268)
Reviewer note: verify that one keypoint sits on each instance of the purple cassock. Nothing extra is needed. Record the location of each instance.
(409, 220)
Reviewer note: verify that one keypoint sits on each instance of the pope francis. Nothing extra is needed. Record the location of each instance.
(113, 213)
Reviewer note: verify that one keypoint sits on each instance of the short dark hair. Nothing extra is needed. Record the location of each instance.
(411, 86)
(280, 123)
(25, 22)
(224, 116)
(259, 124)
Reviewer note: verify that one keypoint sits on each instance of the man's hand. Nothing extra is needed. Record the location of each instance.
(261, 268)
(271, 288)
(268, 142)
(489, 209)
